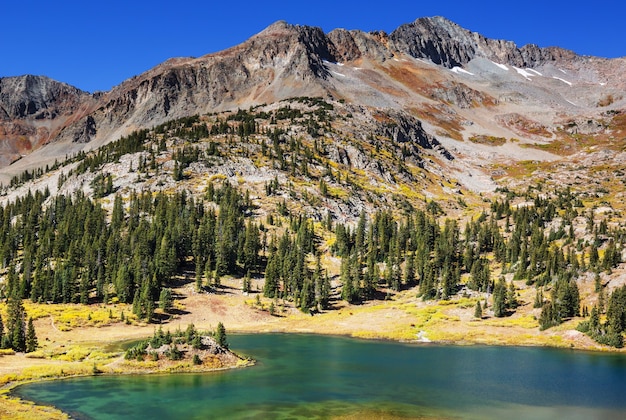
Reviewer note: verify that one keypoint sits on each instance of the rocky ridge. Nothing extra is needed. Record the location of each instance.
(376, 70)
(33, 111)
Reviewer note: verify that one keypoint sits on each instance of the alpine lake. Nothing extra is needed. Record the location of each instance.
(311, 376)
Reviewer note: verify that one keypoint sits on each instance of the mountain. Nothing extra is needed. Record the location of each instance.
(33, 111)
(457, 83)
(318, 172)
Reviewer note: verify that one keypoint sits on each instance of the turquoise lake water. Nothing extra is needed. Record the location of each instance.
(309, 376)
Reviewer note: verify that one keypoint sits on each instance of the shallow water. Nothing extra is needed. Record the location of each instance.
(308, 376)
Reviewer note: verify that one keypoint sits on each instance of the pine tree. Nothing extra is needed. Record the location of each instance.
(409, 270)
(538, 299)
(511, 298)
(499, 299)
(325, 292)
(427, 282)
(165, 299)
(478, 312)
(31, 337)
(15, 323)
(198, 276)
(307, 297)
(137, 307)
(220, 335)
(549, 316)
(246, 283)
(350, 290)
(217, 282)
(190, 333)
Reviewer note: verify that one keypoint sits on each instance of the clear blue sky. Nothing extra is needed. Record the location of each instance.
(95, 45)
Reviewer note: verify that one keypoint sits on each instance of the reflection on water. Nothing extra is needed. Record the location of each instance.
(307, 376)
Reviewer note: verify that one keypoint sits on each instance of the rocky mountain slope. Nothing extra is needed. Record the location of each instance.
(458, 83)
(465, 160)
(34, 110)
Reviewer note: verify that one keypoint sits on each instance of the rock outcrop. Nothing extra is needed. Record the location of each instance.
(447, 44)
(33, 111)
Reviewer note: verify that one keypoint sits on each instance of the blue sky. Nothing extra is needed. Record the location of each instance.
(97, 45)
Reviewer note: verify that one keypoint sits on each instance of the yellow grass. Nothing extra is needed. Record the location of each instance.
(16, 409)
(30, 373)
(526, 321)
(68, 316)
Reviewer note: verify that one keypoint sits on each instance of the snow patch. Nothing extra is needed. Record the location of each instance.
(571, 102)
(460, 70)
(534, 71)
(562, 71)
(602, 83)
(562, 80)
(338, 74)
(502, 66)
(526, 74)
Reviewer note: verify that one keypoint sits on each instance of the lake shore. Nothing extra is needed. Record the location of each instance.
(78, 340)
(16, 408)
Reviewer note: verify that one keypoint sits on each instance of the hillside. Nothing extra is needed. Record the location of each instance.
(427, 184)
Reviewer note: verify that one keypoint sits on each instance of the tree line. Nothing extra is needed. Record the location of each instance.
(68, 249)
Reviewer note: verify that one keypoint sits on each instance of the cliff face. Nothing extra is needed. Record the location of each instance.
(283, 61)
(33, 110)
(450, 45)
(36, 97)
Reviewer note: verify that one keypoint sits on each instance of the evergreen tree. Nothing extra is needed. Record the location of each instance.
(306, 296)
(246, 283)
(594, 322)
(549, 316)
(409, 270)
(31, 337)
(478, 311)
(220, 335)
(511, 298)
(538, 299)
(16, 323)
(190, 333)
(325, 292)
(350, 289)
(271, 286)
(480, 275)
(499, 299)
(427, 282)
(165, 299)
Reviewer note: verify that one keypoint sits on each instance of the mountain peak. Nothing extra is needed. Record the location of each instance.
(28, 95)
(276, 27)
(448, 44)
(282, 61)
